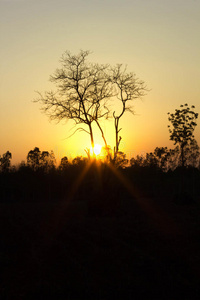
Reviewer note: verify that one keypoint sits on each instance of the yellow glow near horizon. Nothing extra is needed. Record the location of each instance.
(162, 37)
(96, 149)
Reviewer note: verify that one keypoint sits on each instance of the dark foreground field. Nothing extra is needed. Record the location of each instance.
(146, 249)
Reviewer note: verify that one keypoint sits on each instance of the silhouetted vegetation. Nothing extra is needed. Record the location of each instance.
(183, 122)
(127, 88)
(41, 160)
(83, 179)
(5, 161)
(92, 229)
(83, 93)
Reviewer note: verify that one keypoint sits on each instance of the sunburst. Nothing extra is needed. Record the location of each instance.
(96, 149)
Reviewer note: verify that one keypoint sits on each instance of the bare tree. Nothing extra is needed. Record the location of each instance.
(127, 88)
(82, 93)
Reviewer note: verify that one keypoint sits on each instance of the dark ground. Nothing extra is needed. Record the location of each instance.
(146, 249)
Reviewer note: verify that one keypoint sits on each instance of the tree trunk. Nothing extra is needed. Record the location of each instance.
(92, 138)
(116, 149)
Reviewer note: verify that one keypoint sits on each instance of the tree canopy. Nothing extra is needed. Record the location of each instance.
(183, 123)
(82, 92)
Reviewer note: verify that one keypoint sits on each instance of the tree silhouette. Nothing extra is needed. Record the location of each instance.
(5, 161)
(40, 160)
(82, 93)
(121, 160)
(64, 163)
(183, 123)
(127, 88)
(33, 158)
(47, 160)
(162, 155)
(137, 161)
(79, 161)
(192, 154)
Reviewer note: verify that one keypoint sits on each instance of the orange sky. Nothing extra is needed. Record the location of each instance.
(158, 40)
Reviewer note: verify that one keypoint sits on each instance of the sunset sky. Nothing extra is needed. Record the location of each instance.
(158, 40)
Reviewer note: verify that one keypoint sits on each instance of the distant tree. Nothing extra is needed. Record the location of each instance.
(183, 123)
(127, 87)
(79, 161)
(5, 161)
(137, 161)
(121, 160)
(33, 158)
(82, 93)
(41, 160)
(162, 158)
(192, 154)
(162, 155)
(150, 160)
(173, 159)
(64, 163)
(47, 160)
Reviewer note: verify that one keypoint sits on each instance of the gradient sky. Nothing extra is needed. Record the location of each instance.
(159, 40)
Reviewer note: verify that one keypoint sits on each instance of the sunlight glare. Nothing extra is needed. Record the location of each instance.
(96, 149)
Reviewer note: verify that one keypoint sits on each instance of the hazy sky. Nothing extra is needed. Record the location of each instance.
(159, 40)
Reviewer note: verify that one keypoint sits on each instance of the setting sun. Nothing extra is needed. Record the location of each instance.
(96, 149)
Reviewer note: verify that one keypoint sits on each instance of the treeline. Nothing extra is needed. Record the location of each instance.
(101, 183)
(161, 158)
